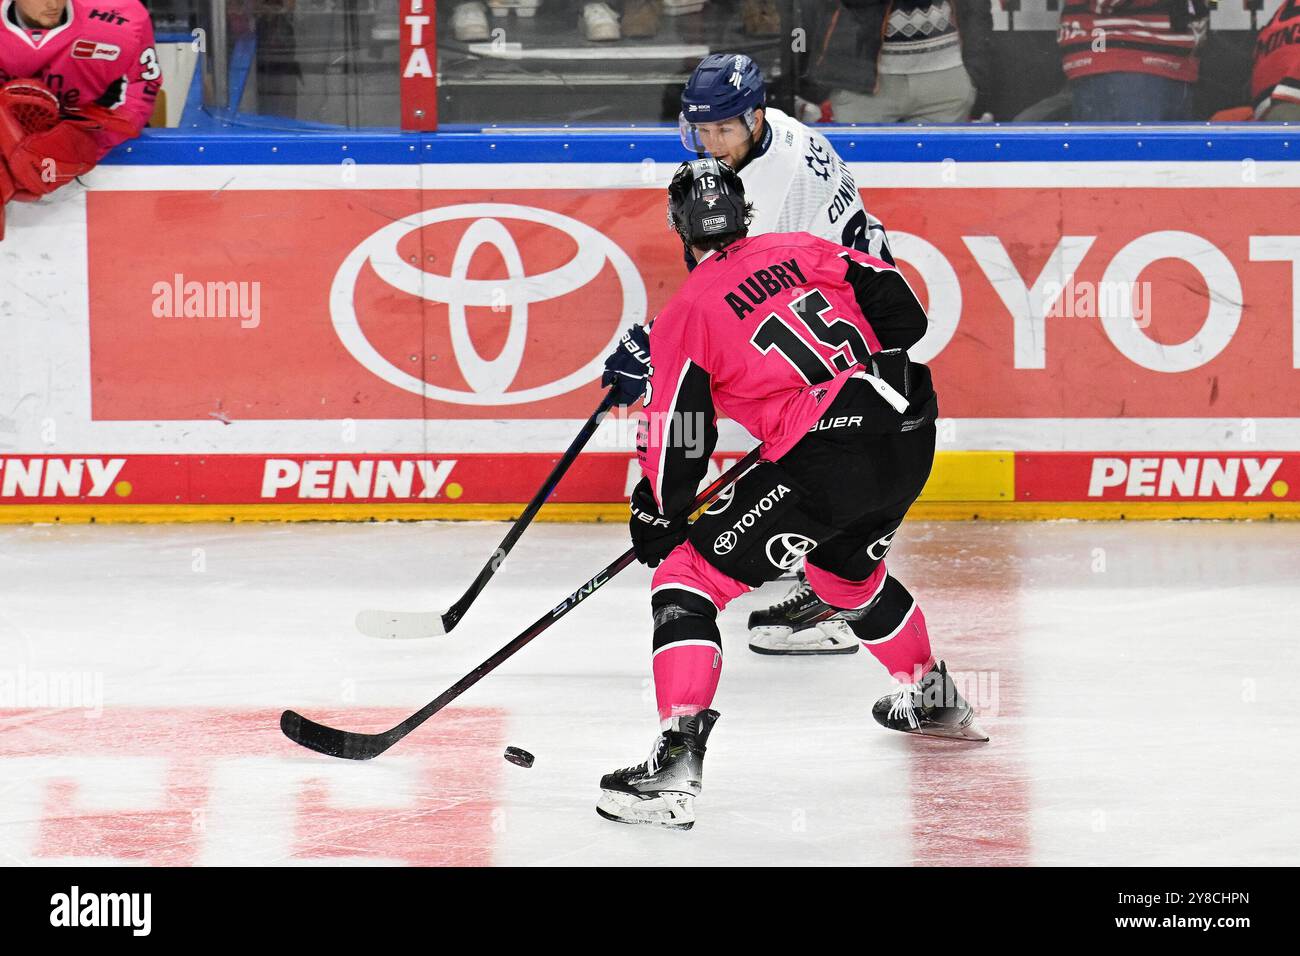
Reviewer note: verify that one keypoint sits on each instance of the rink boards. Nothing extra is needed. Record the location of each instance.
(380, 325)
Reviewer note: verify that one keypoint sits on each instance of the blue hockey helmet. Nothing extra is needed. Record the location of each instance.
(723, 85)
(706, 198)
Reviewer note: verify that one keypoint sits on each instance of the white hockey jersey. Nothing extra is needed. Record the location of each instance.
(798, 183)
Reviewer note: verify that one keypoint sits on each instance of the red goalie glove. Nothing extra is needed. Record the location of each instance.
(26, 107)
(42, 149)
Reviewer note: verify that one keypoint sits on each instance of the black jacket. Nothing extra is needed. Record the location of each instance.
(845, 37)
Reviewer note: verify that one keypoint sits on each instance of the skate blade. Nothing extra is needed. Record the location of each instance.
(970, 732)
(781, 641)
(670, 809)
(802, 651)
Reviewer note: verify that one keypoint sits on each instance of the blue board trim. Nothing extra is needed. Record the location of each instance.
(1151, 143)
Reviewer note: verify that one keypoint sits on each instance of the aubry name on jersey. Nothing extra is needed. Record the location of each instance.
(762, 284)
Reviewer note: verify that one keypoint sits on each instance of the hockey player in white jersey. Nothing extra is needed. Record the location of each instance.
(792, 174)
(797, 183)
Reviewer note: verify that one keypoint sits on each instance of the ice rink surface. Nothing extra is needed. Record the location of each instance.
(1138, 681)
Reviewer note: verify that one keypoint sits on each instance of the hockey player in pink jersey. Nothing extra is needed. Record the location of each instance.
(806, 186)
(804, 344)
(77, 77)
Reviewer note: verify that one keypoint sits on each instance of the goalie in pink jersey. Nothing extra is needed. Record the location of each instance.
(804, 343)
(76, 78)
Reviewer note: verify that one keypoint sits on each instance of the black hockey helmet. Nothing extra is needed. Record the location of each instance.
(706, 198)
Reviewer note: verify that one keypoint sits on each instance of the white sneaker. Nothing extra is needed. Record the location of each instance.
(524, 8)
(599, 22)
(681, 8)
(469, 22)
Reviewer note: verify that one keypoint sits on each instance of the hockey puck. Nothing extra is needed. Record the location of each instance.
(519, 757)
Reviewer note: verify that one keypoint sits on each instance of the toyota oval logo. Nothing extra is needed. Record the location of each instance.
(785, 550)
(488, 380)
(724, 542)
(880, 548)
(725, 497)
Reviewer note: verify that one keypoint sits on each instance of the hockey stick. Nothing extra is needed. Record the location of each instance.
(358, 746)
(413, 624)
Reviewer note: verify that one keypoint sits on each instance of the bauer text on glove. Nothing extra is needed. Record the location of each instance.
(629, 366)
(653, 535)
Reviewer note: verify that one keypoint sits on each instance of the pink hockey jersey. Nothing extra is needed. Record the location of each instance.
(102, 53)
(765, 332)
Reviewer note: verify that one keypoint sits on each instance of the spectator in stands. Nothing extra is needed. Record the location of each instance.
(1275, 80)
(600, 21)
(1132, 60)
(596, 20)
(904, 61)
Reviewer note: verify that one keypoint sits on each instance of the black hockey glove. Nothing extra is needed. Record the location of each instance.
(629, 366)
(653, 535)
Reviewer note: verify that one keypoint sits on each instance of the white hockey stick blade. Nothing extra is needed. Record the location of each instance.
(400, 625)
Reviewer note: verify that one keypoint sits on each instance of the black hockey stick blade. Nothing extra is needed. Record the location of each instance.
(333, 743)
(350, 745)
(405, 625)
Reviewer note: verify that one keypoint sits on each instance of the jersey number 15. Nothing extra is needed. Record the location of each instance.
(776, 332)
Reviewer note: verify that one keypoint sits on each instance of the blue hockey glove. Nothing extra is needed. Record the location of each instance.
(628, 368)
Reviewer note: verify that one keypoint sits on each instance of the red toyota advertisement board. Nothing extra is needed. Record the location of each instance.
(1048, 303)
(384, 305)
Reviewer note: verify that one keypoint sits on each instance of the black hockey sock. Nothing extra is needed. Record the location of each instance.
(882, 618)
(681, 615)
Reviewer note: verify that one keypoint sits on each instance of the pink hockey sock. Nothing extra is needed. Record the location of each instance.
(686, 678)
(686, 595)
(905, 652)
(893, 627)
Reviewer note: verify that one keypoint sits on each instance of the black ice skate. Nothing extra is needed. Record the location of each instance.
(800, 623)
(662, 791)
(930, 708)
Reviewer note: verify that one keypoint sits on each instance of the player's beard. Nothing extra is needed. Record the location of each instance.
(48, 16)
(736, 157)
(739, 156)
